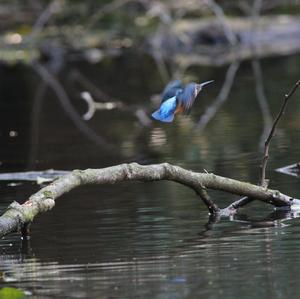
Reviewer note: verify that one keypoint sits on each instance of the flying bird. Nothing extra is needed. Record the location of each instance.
(177, 98)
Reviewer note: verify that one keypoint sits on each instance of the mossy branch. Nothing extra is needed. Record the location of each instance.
(18, 215)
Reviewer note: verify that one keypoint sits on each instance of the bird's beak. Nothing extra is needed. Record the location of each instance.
(205, 83)
(199, 86)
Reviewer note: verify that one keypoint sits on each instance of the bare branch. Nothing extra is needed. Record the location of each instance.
(69, 109)
(93, 106)
(17, 215)
(232, 208)
(52, 8)
(271, 134)
(263, 182)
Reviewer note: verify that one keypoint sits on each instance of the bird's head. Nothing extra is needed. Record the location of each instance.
(198, 88)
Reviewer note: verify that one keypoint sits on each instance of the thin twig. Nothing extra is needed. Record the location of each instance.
(271, 134)
(263, 182)
(233, 207)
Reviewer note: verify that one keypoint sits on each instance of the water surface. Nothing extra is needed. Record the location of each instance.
(149, 240)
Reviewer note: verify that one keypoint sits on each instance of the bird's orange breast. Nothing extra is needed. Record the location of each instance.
(179, 109)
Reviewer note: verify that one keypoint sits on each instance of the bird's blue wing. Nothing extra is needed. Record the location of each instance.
(172, 89)
(166, 110)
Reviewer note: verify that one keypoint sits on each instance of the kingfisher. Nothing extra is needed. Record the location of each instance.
(177, 98)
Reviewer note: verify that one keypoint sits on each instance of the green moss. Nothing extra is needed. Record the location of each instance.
(48, 194)
(11, 293)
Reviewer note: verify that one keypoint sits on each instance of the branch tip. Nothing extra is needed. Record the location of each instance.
(272, 131)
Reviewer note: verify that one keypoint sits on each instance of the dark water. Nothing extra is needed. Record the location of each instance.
(149, 240)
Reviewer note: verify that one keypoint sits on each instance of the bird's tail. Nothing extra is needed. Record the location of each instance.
(160, 117)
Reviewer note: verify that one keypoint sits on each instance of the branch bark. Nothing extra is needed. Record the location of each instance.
(18, 215)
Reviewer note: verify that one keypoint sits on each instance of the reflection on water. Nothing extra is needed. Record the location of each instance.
(150, 240)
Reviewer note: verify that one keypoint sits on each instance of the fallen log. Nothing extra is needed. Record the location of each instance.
(204, 42)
